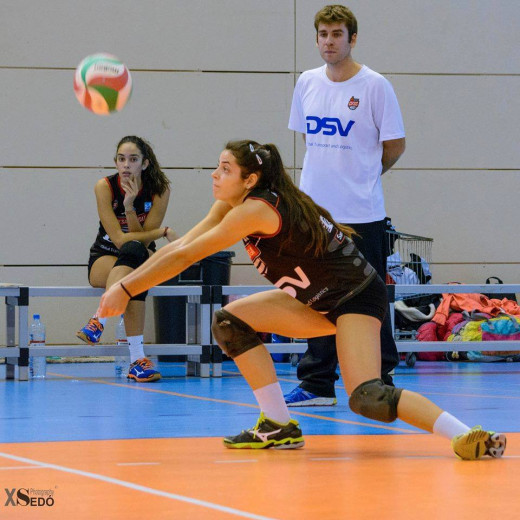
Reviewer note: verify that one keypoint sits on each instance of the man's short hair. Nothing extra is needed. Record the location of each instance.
(337, 14)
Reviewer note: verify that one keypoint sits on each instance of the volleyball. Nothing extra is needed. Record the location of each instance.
(102, 83)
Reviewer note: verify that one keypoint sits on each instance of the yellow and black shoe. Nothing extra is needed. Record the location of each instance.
(268, 434)
(477, 442)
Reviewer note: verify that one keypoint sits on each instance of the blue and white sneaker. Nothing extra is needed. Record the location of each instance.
(300, 397)
(91, 332)
(142, 371)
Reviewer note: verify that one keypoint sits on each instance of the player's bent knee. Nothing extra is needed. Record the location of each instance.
(133, 254)
(375, 400)
(233, 335)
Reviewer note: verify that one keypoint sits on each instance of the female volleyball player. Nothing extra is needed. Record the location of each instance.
(131, 206)
(324, 286)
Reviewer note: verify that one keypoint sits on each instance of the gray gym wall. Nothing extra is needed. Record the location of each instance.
(205, 71)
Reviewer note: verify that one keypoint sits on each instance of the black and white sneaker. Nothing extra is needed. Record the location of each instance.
(268, 434)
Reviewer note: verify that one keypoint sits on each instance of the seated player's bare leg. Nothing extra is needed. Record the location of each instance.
(135, 311)
(100, 270)
(135, 317)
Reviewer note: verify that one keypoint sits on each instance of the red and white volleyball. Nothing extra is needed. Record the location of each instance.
(102, 83)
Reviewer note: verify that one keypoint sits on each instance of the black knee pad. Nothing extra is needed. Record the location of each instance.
(375, 400)
(233, 335)
(133, 254)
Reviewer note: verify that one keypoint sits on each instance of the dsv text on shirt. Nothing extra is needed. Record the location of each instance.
(327, 126)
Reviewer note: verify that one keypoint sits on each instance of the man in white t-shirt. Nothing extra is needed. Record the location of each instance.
(353, 129)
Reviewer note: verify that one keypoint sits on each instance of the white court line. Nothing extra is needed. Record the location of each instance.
(21, 467)
(233, 461)
(137, 487)
(137, 463)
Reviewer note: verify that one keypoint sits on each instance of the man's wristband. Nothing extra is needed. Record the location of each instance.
(165, 231)
(125, 289)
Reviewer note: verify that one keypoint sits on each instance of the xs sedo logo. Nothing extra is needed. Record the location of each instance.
(29, 497)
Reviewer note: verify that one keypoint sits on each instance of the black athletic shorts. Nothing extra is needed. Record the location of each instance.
(371, 301)
(93, 258)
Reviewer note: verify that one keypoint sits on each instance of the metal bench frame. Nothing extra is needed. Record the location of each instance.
(198, 353)
(204, 353)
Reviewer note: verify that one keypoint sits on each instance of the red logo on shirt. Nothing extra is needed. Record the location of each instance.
(353, 103)
(252, 250)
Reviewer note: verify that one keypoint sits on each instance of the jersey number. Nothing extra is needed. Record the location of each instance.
(302, 282)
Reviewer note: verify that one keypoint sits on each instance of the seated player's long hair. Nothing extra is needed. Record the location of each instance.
(154, 179)
(304, 213)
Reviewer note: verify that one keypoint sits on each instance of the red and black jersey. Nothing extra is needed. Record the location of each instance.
(322, 282)
(142, 204)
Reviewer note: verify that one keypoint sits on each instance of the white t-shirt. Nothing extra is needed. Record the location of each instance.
(345, 125)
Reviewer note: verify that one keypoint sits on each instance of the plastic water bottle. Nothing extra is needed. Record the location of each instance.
(37, 364)
(122, 359)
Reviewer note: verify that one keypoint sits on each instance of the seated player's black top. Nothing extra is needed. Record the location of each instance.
(142, 204)
(323, 282)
